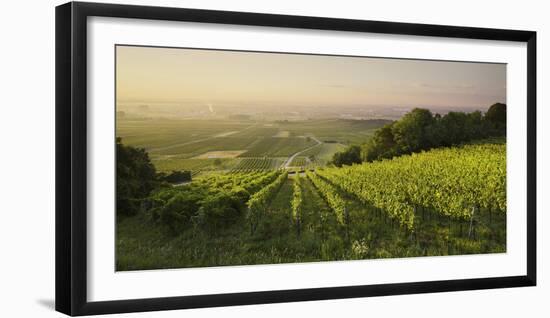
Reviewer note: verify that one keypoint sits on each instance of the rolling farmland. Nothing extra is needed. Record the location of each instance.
(233, 145)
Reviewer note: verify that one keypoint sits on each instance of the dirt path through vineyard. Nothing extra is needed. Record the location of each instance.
(287, 163)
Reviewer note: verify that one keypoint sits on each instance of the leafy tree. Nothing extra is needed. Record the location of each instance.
(381, 145)
(347, 157)
(135, 178)
(496, 116)
(436, 132)
(477, 126)
(410, 133)
(453, 128)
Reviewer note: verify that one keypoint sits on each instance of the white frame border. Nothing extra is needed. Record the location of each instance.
(106, 284)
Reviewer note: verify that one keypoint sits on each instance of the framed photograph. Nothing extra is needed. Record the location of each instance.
(211, 158)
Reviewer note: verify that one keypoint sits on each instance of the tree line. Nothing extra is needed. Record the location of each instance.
(420, 130)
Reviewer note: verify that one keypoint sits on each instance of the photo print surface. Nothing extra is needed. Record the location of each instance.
(245, 158)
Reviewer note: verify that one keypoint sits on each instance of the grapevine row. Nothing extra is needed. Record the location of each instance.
(330, 195)
(254, 164)
(453, 181)
(251, 182)
(259, 201)
(297, 203)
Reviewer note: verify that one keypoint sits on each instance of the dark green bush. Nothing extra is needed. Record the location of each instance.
(218, 209)
(176, 176)
(135, 178)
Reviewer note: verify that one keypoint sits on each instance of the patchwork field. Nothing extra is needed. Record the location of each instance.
(282, 134)
(225, 145)
(221, 154)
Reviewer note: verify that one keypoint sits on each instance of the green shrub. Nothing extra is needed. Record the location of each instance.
(218, 209)
(174, 207)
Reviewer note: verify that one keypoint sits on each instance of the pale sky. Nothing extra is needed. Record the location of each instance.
(161, 74)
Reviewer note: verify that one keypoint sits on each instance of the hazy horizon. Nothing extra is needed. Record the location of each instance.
(236, 79)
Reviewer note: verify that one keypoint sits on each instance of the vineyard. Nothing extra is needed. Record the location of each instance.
(228, 146)
(299, 162)
(196, 166)
(278, 147)
(247, 164)
(456, 183)
(445, 201)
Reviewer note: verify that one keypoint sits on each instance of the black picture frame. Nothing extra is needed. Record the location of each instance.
(71, 157)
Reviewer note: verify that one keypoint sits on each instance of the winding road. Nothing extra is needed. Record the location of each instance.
(288, 161)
